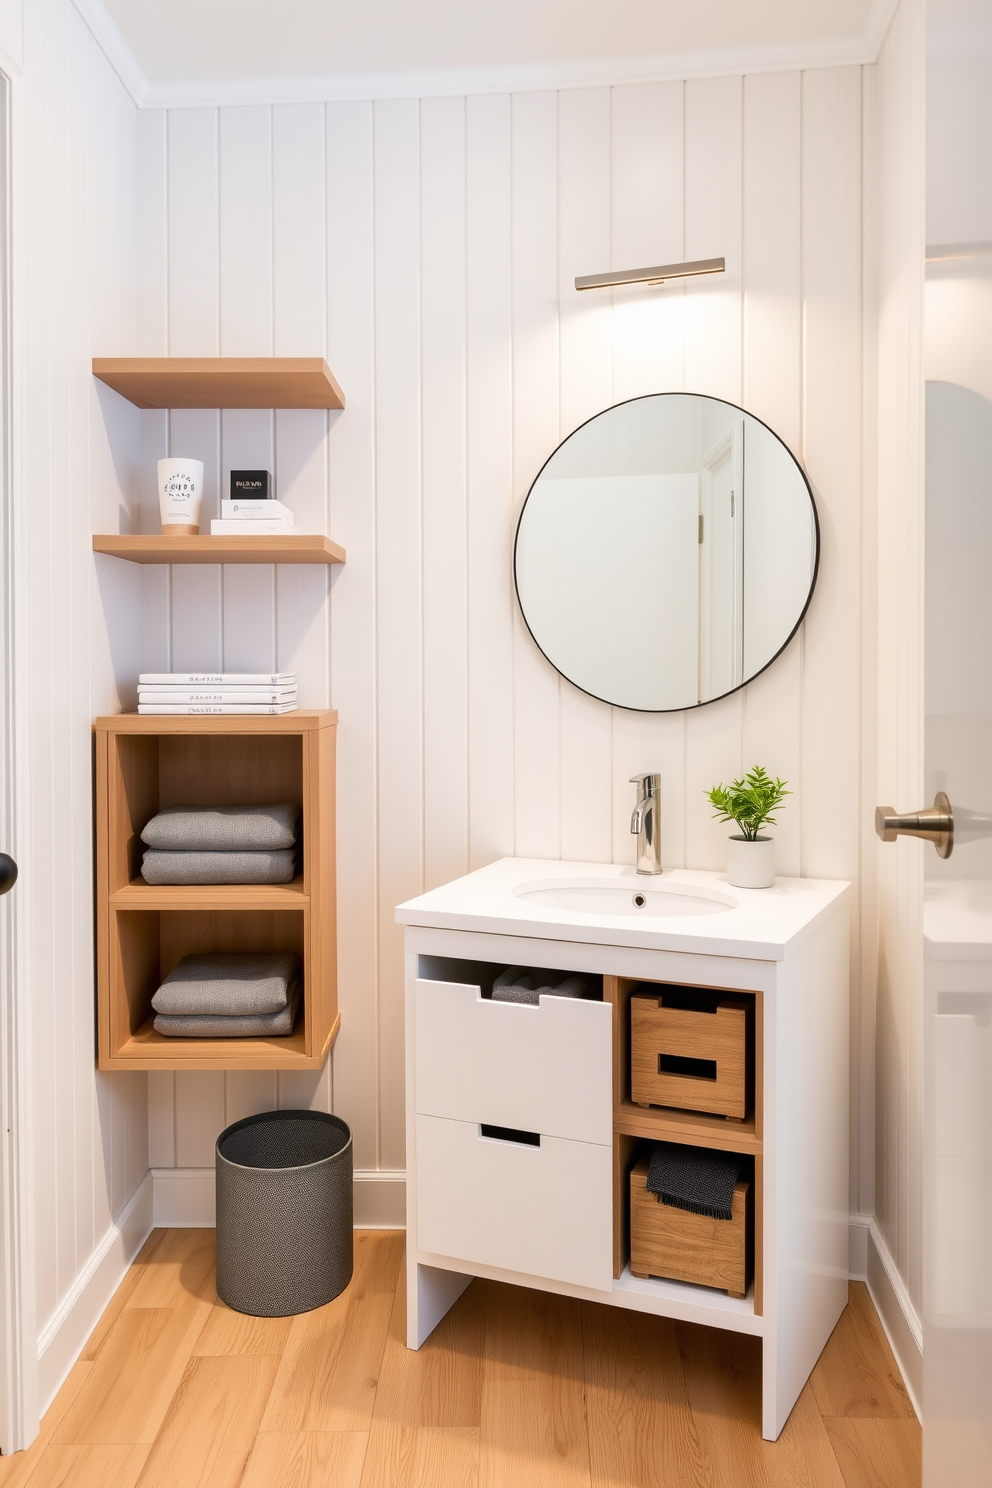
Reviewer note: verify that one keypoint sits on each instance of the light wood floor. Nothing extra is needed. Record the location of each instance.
(515, 1389)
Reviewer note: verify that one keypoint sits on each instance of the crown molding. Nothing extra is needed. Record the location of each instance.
(448, 82)
(108, 37)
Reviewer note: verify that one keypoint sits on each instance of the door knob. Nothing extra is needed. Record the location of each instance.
(8, 873)
(934, 824)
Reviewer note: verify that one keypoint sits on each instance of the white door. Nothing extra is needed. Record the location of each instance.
(720, 566)
(957, 1035)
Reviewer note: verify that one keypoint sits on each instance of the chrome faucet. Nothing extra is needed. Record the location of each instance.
(646, 822)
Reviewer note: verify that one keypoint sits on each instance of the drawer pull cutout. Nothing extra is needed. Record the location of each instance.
(689, 1069)
(510, 1134)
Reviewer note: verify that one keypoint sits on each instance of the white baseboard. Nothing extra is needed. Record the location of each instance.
(857, 1250)
(64, 1336)
(380, 1199)
(184, 1199)
(892, 1302)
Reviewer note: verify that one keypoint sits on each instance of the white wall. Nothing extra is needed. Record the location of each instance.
(75, 294)
(428, 249)
(896, 182)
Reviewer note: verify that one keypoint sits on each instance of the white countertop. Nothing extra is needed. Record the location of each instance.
(761, 925)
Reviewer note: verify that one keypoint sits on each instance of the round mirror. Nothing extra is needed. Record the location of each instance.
(667, 552)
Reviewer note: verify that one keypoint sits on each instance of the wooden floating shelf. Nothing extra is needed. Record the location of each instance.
(221, 382)
(693, 1128)
(161, 548)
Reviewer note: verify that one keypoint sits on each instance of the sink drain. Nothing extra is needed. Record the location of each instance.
(639, 901)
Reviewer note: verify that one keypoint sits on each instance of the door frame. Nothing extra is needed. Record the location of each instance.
(18, 1309)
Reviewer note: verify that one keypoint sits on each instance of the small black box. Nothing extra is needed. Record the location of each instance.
(251, 485)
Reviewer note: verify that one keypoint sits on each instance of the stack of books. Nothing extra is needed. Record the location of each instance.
(241, 518)
(216, 692)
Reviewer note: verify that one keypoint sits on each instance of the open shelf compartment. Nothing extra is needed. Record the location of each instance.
(635, 1127)
(144, 764)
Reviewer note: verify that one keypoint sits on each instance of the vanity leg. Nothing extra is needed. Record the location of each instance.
(431, 1292)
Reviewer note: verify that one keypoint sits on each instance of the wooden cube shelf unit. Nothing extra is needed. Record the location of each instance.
(145, 763)
(634, 1126)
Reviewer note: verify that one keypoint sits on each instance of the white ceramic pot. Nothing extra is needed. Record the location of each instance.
(180, 492)
(751, 864)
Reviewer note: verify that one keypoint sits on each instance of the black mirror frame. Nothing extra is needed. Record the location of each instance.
(812, 583)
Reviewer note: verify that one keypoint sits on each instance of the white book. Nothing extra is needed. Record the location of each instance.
(246, 527)
(217, 679)
(165, 710)
(216, 695)
(248, 508)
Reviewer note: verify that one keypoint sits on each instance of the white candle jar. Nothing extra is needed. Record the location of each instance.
(180, 492)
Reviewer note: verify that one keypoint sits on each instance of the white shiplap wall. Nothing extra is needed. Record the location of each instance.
(428, 250)
(75, 294)
(899, 162)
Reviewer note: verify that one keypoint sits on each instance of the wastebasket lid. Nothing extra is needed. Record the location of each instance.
(283, 1139)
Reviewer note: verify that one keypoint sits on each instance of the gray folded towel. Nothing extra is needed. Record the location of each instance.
(514, 985)
(223, 828)
(694, 1178)
(220, 984)
(259, 1025)
(161, 867)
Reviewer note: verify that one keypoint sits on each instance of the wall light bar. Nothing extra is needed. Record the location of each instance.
(657, 275)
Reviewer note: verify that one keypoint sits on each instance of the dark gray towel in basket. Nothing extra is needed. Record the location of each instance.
(694, 1178)
(223, 984)
(223, 828)
(514, 985)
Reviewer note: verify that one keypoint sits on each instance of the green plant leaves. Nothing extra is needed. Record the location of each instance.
(750, 802)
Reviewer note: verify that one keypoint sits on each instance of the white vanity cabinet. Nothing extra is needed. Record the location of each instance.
(520, 1129)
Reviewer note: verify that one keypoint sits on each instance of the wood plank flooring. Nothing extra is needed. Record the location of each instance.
(515, 1389)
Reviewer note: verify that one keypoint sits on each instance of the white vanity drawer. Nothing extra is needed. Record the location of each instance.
(546, 1068)
(541, 1210)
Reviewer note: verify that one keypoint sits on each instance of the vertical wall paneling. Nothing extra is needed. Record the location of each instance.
(489, 285)
(647, 150)
(443, 308)
(899, 176)
(713, 227)
(399, 573)
(586, 386)
(89, 1133)
(351, 453)
(535, 354)
(832, 425)
(429, 249)
(300, 289)
(245, 307)
(772, 391)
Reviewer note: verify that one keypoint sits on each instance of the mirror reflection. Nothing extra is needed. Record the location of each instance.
(667, 552)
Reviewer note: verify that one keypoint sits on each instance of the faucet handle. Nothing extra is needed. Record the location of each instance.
(649, 782)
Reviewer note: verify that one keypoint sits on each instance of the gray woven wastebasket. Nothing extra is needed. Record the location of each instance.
(284, 1212)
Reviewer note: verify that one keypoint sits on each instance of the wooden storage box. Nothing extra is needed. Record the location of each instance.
(693, 1051)
(680, 1246)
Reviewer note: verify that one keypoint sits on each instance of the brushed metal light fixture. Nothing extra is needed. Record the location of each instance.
(658, 275)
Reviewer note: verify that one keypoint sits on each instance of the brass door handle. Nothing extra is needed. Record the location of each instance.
(934, 824)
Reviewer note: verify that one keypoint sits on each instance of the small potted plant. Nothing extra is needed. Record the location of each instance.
(751, 803)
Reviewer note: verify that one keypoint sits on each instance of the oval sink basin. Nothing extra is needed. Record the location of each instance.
(624, 897)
